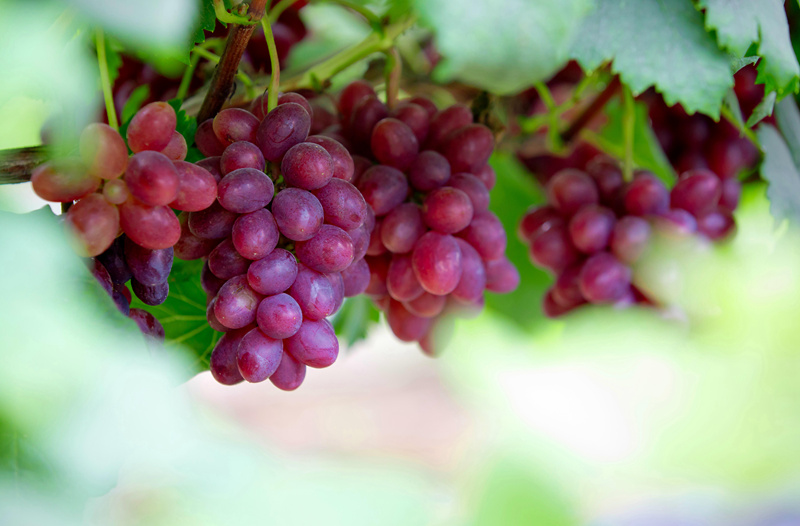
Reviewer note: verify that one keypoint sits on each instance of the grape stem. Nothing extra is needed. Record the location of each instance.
(726, 114)
(105, 79)
(628, 129)
(591, 110)
(228, 67)
(394, 69)
(275, 73)
(188, 73)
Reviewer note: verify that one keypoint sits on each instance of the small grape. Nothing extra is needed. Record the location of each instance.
(394, 144)
(152, 178)
(401, 280)
(383, 188)
(570, 190)
(255, 235)
(273, 274)
(284, 127)
(147, 323)
(298, 213)
(289, 375)
(213, 222)
(401, 228)
(223, 364)
(63, 181)
(149, 267)
(245, 190)
(314, 345)
(241, 154)
(197, 188)
(646, 195)
(103, 150)
(236, 303)
(279, 316)
(590, 228)
(447, 210)
(235, 124)
(258, 356)
(629, 238)
(343, 204)
(225, 262)
(430, 170)
(176, 150)
(152, 127)
(308, 166)
(437, 263)
(603, 279)
(95, 224)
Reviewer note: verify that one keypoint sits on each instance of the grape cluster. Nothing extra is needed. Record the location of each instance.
(433, 246)
(279, 248)
(595, 226)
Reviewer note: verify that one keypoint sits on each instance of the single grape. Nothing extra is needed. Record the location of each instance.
(501, 276)
(608, 178)
(285, 98)
(235, 124)
(149, 267)
(245, 190)
(429, 107)
(147, 323)
(213, 322)
(361, 238)
(116, 191)
(100, 273)
(415, 117)
(189, 246)
(394, 144)
(298, 213)
(176, 150)
(152, 178)
(151, 128)
(343, 164)
(565, 291)
(487, 176)
(330, 250)
(212, 166)
(103, 151)
(255, 235)
(113, 259)
(550, 308)
(236, 303)
(446, 121)
(307, 165)
(94, 223)
(537, 219)
(352, 95)
(603, 279)
(151, 294)
(406, 326)
(314, 293)
(697, 192)
(675, 223)
(378, 271)
(207, 141)
(383, 188)
(241, 154)
(212, 223)
(716, 225)
(365, 116)
(473, 187)
(356, 278)
(197, 188)
(314, 345)
(258, 356)
(223, 364)
(279, 316)
(342, 203)
(629, 238)
(401, 228)
(590, 228)
(273, 274)
(553, 249)
(209, 282)
(401, 281)
(486, 234)
(225, 262)
(570, 190)
(473, 276)
(437, 263)
(360, 165)
(447, 210)
(430, 170)
(646, 195)
(63, 181)
(468, 148)
(289, 375)
(426, 305)
(285, 126)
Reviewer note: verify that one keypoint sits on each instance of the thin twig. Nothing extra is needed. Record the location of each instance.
(16, 165)
(591, 110)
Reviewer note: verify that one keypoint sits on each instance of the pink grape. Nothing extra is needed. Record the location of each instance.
(152, 127)
(197, 189)
(314, 345)
(103, 151)
(152, 178)
(437, 263)
(152, 227)
(258, 356)
(95, 224)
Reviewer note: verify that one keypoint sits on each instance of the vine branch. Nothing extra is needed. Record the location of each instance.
(16, 165)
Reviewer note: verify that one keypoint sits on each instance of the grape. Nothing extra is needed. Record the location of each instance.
(401, 228)
(223, 364)
(213, 322)
(122, 301)
(197, 188)
(697, 192)
(553, 249)
(447, 210)
(550, 308)
(285, 98)
(273, 274)
(427, 105)
(225, 262)
(258, 356)
(151, 128)
(101, 274)
(63, 181)
(394, 144)
(116, 191)
(343, 204)
(437, 263)
(728, 157)
(356, 278)
(113, 259)
(245, 190)
(426, 305)
(307, 165)
(176, 150)
(337, 282)
(383, 188)
(255, 235)
(608, 178)
(352, 95)
(473, 276)
(415, 117)
(570, 190)
(501, 276)
(487, 176)
(209, 282)
(590, 228)
(343, 164)
(378, 271)
(360, 165)
(212, 166)
(566, 292)
(235, 124)
(241, 154)
(375, 247)
(285, 126)
(486, 234)
(676, 223)
(473, 187)
(147, 323)
(716, 225)
(236, 303)
(468, 148)
(365, 116)
(430, 170)
(298, 213)
(152, 178)
(103, 150)
(152, 227)
(314, 345)
(730, 195)
(536, 220)
(212, 223)
(151, 294)
(646, 195)
(207, 141)
(629, 238)
(289, 375)
(406, 326)
(330, 250)
(190, 246)
(401, 281)
(94, 223)
(149, 267)
(279, 316)
(445, 122)
(603, 279)
(314, 293)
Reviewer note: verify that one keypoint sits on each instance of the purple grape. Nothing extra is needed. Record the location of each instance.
(430, 170)
(447, 210)
(279, 316)
(446, 121)
(148, 266)
(629, 238)
(314, 293)
(603, 279)
(289, 375)
(298, 213)
(121, 300)
(473, 187)
(437, 263)
(486, 234)
(236, 303)
(590, 228)
(197, 187)
(378, 270)
(361, 238)
(207, 141)
(223, 364)
(537, 219)
(273, 274)
(235, 124)
(429, 107)
(314, 345)
(307, 165)
(245, 190)
(565, 291)
(337, 282)
(608, 178)
(675, 223)
(155, 294)
(645, 195)
(286, 98)
(343, 204)
(225, 262)
(415, 117)
(716, 225)
(426, 305)
(101, 275)
(356, 278)
(553, 249)
(401, 281)
(383, 188)
(731, 193)
(343, 165)
(487, 176)
(212, 166)
(473, 276)
(113, 259)
(366, 114)
(209, 282)
(212, 223)
(352, 95)
(151, 128)
(394, 144)
(402, 227)
(255, 235)
(241, 154)
(406, 326)
(258, 356)
(570, 190)
(213, 322)
(501, 276)
(468, 148)
(152, 178)
(189, 246)
(147, 323)
(360, 165)
(697, 192)
(330, 250)
(285, 126)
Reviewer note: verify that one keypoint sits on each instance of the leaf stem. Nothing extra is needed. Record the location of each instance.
(229, 18)
(372, 18)
(105, 79)
(726, 114)
(275, 74)
(591, 110)
(628, 129)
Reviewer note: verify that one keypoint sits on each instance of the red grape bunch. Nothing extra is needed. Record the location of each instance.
(433, 246)
(595, 227)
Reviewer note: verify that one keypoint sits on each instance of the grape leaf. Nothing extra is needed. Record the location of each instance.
(134, 102)
(781, 173)
(355, 318)
(763, 110)
(206, 20)
(741, 23)
(502, 46)
(660, 43)
(186, 126)
(183, 315)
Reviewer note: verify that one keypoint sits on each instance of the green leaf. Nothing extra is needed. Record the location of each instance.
(183, 315)
(788, 118)
(186, 126)
(134, 102)
(206, 21)
(113, 58)
(781, 173)
(741, 23)
(659, 43)
(355, 318)
(763, 110)
(502, 46)
(647, 152)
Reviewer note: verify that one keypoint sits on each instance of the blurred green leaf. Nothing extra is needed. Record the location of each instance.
(659, 43)
(763, 110)
(779, 170)
(355, 318)
(502, 46)
(134, 102)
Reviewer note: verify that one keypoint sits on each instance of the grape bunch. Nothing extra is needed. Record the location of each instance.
(433, 246)
(595, 227)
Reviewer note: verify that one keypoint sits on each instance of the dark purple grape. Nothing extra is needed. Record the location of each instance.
(189, 246)
(212, 166)
(697, 192)
(245, 190)
(473, 276)
(565, 291)
(197, 187)
(298, 213)
(147, 323)
(207, 141)
(213, 322)
(352, 95)
(570, 190)
(152, 178)
(590, 228)
(236, 303)
(415, 117)
(383, 188)
(394, 144)
(716, 225)
(210, 283)
(241, 154)
(343, 204)
(486, 234)
(285, 98)
(401, 281)
(255, 235)
(406, 326)
(608, 178)
(501, 276)
(437, 263)
(538, 219)
(148, 266)
(212, 223)
(473, 187)
(430, 170)
(330, 250)
(279, 316)
(289, 375)
(101, 275)
(366, 114)
(274, 273)
(445, 122)
(308, 166)
(314, 293)
(468, 148)
(226, 262)
(235, 124)
(646, 195)
(426, 305)
(629, 238)
(151, 294)
(487, 176)
(113, 259)
(315, 344)
(360, 165)
(258, 356)
(553, 249)
(120, 300)
(151, 128)
(356, 278)
(603, 279)
(285, 126)
(402, 227)
(222, 363)
(343, 165)
(447, 210)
